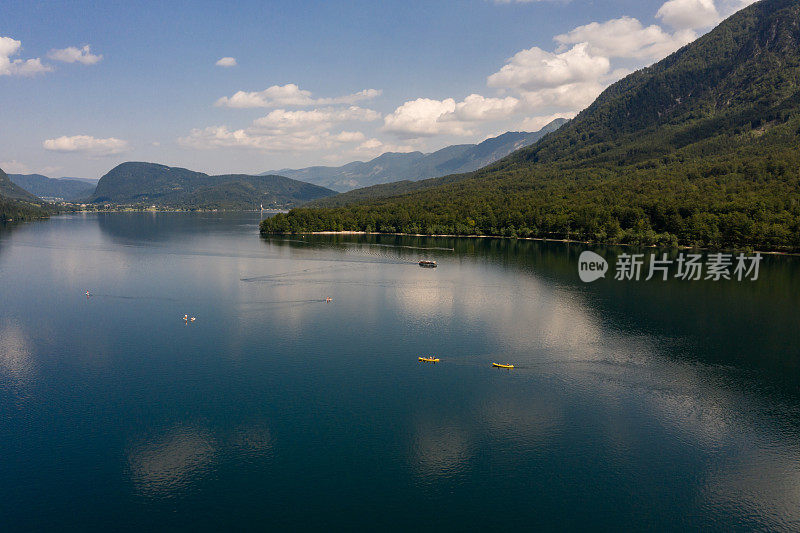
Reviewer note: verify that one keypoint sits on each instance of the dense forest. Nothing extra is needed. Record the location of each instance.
(17, 210)
(701, 148)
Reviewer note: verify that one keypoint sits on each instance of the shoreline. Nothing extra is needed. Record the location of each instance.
(540, 239)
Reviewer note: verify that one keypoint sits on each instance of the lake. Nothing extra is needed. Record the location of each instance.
(660, 405)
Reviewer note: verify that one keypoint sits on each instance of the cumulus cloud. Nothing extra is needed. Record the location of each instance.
(72, 54)
(18, 67)
(87, 144)
(426, 117)
(626, 37)
(282, 130)
(289, 95)
(281, 120)
(478, 108)
(223, 137)
(535, 68)
(374, 147)
(423, 117)
(689, 14)
(585, 62)
(226, 62)
(537, 123)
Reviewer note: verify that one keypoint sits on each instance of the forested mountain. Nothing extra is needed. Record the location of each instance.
(70, 189)
(392, 166)
(700, 148)
(147, 184)
(16, 203)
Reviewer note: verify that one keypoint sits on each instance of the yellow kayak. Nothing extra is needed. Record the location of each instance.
(501, 365)
(429, 359)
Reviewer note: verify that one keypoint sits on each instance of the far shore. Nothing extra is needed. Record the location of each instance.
(540, 239)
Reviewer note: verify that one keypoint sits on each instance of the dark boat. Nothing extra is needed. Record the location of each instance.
(427, 264)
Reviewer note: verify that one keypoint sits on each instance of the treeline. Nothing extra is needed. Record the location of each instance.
(17, 210)
(741, 200)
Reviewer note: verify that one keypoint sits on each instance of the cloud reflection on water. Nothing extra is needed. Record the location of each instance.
(16, 359)
(171, 462)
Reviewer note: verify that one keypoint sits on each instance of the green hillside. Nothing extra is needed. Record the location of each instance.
(145, 184)
(17, 204)
(700, 148)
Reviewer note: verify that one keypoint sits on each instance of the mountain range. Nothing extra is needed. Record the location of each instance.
(68, 189)
(394, 166)
(150, 183)
(145, 184)
(700, 148)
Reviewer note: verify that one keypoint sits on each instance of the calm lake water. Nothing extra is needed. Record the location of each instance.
(659, 405)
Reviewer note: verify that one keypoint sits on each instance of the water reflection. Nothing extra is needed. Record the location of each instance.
(630, 403)
(169, 463)
(166, 464)
(16, 357)
(439, 449)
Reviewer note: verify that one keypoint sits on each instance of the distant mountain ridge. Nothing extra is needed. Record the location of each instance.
(70, 189)
(396, 166)
(16, 203)
(139, 183)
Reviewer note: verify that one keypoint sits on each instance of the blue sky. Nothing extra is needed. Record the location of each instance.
(87, 85)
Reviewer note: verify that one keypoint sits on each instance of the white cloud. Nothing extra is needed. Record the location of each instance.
(349, 136)
(478, 108)
(73, 55)
(281, 120)
(297, 141)
(18, 67)
(573, 96)
(689, 14)
(426, 117)
(289, 95)
(537, 123)
(286, 131)
(15, 167)
(626, 37)
(535, 68)
(18, 167)
(226, 62)
(87, 144)
(374, 147)
(583, 65)
(369, 149)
